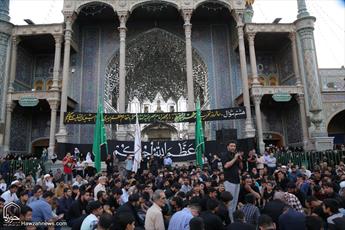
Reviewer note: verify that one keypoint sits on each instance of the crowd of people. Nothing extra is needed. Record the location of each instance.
(233, 190)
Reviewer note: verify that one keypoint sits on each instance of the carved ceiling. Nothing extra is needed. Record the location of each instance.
(156, 62)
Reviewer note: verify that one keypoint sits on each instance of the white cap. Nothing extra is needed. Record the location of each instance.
(342, 184)
(47, 175)
(15, 182)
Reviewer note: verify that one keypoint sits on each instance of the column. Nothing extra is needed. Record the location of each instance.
(260, 139)
(57, 59)
(62, 135)
(249, 130)
(187, 14)
(300, 100)
(122, 62)
(305, 29)
(292, 37)
(53, 103)
(15, 41)
(9, 109)
(251, 37)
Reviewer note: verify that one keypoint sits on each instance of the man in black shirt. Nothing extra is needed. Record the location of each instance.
(232, 164)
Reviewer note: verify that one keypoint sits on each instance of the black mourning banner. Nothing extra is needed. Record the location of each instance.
(179, 151)
(129, 118)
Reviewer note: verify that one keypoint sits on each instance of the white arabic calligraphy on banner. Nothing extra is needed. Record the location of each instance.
(158, 149)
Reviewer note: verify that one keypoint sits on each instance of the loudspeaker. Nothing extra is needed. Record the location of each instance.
(246, 145)
(225, 135)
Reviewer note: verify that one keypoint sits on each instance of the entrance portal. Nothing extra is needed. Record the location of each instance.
(273, 139)
(159, 132)
(336, 128)
(37, 146)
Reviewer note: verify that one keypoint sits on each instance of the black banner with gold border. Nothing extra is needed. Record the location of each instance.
(129, 118)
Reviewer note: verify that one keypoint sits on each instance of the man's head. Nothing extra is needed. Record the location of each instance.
(117, 193)
(126, 185)
(95, 207)
(26, 213)
(231, 146)
(330, 206)
(85, 196)
(250, 199)
(177, 203)
(13, 188)
(247, 180)
(327, 187)
(265, 222)
(102, 180)
(226, 197)
(134, 199)
(212, 205)
(212, 192)
(105, 221)
(239, 216)
(312, 202)
(159, 197)
(102, 196)
(48, 196)
(194, 208)
(126, 221)
(291, 187)
(38, 191)
(67, 192)
(24, 196)
(75, 189)
(186, 181)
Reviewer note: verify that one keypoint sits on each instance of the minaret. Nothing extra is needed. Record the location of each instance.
(302, 9)
(5, 34)
(305, 35)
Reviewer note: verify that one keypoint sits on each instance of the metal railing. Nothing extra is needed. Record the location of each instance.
(310, 159)
(31, 166)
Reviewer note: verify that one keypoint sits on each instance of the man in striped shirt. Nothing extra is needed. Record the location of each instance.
(250, 211)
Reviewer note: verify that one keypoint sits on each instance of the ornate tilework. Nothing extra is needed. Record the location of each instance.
(89, 78)
(19, 132)
(3, 57)
(40, 125)
(24, 66)
(44, 66)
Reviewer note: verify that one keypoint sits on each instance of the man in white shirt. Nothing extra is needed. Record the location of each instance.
(100, 186)
(125, 195)
(10, 195)
(48, 182)
(91, 221)
(154, 217)
(167, 161)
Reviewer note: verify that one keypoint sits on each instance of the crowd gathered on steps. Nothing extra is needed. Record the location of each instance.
(227, 192)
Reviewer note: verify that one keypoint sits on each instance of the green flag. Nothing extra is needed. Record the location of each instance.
(199, 136)
(99, 146)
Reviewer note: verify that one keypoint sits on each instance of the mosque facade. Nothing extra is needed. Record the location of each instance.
(141, 56)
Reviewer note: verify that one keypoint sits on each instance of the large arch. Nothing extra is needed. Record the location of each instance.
(135, 5)
(93, 3)
(225, 3)
(336, 127)
(155, 60)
